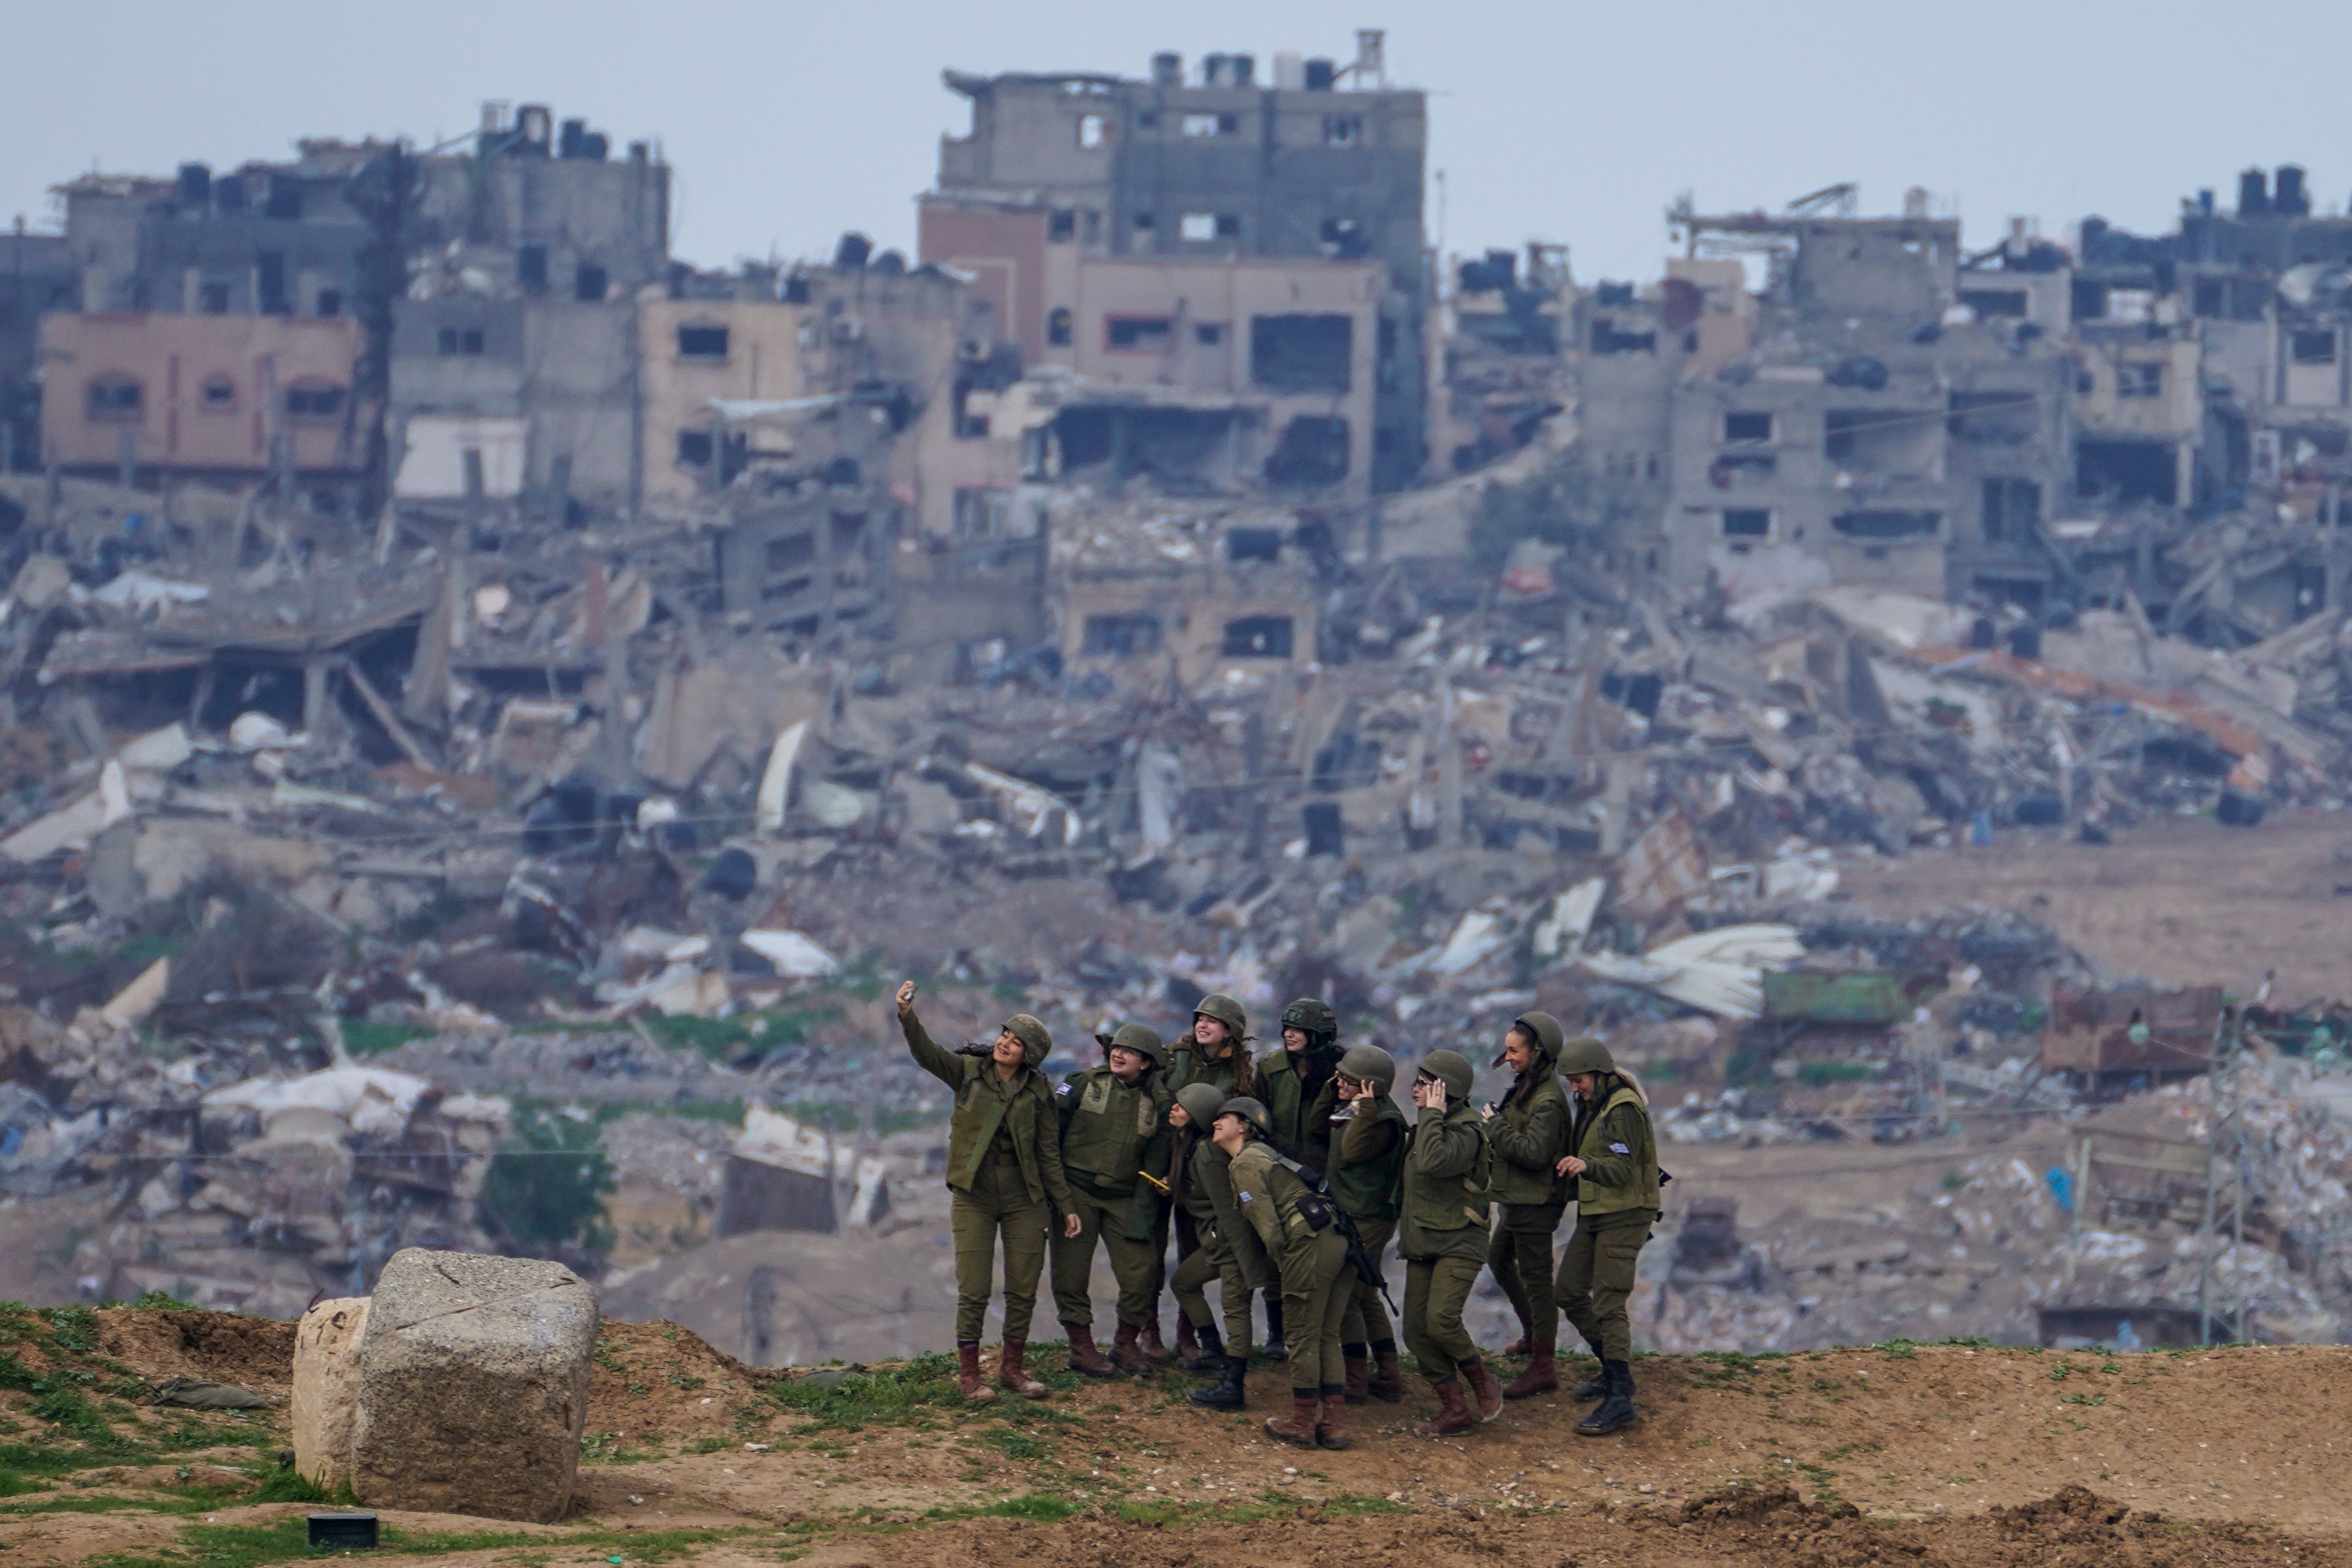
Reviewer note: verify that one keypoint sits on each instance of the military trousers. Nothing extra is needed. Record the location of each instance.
(998, 1207)
(1132, 1265)
(1520, 1256)
(1366, 1319)
(1436, 1290)
(1214, 1261)
(1596, 1280)
(1315, 1277)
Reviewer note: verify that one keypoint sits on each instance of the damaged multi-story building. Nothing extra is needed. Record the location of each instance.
(1225, 273)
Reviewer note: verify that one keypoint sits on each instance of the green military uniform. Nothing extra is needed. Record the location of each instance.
(1311, 1264)
(1617, 1201)
(1529, 1134)
(1004, 1171)
(1111, 1131)
(1189, 1062)
(1204, 1190)
(1367, 1177)
(1297, 1086)
(1442, 1227)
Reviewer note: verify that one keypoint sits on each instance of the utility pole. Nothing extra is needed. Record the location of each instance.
(2225, 1174)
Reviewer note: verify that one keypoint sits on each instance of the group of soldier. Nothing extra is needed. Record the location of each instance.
(1287, 1177)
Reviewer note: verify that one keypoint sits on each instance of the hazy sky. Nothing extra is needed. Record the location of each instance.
(786, 123)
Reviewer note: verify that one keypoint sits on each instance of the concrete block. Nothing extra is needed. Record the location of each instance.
(327, 1388)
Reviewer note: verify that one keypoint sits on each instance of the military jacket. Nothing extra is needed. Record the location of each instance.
(1529, 1133)
(1620, 1150)
(1188, 1064)
(1110, 1130)
(1446, 1176)
(1208, 1196)
(1367, 1160)
(1266, 1201)
(985, 1105)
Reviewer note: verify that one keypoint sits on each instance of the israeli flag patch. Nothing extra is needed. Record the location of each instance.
(1243, 1196)
(1619, 1149)
(1065, 1089)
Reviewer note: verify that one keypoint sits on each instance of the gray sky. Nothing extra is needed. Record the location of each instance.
(789, 122)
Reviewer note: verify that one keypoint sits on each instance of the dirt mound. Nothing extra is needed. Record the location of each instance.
(657, 1381)
(218, 1347)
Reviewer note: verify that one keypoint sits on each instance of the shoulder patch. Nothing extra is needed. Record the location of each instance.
(1065, 1089)
(1243, 1194)
(1619, 1149)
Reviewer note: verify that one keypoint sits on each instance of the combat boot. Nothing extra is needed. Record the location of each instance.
(1085, 1356)
(1454, 1413)
(1188, 1345)
(1597, 1386)
(1011, 1375)
(1155, 1349)
(968, 1378)
(1229, 1392)
(1275, 1348)
(1332, 1431)
(1358, 1389)
(1208, 1352)
(1306, 1416)
(1127, 1351)
(1617, 1410)
(1542, 1377)
(1387, 1383)
(1527, 1335)
(1483, 1387)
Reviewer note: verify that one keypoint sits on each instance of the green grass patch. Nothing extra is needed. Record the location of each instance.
(1819, 1075)
(1899, 1349)
(362, 1038)
(907, 1394)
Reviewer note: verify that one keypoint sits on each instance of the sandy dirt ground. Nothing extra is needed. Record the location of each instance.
(1945, 1454)
(2183, 901)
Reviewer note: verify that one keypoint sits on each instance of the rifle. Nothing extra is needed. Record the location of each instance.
(1368, 1271)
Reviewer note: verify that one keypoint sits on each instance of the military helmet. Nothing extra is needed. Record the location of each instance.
(1225, 1011)
(1311, 1015)
(1135, 1037)
(1036, 1041)
(1544, 1029)
(1370, 1064)
(1249, 1110)
(1452, 1069)
(1585, 1053)
(1202, 1101)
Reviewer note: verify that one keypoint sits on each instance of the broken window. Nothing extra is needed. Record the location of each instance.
(1342, 130)
(1886, 525)
(1212, 124)
(1209, 334)
(531, 268)
(1883, 441)
(1059, 326)
(2127, 471)
(217, 395)
(2139, 379)
(330, 303)
(1092, 129)
(115, 398)
(1120, 636)
(1988, 303)
(1253, 544)
(1747, 427)
(1229, 226)
(1991, 418)
(1061, 225)
(1258, 637)
(789, 553)
(589, 282)
(980, 513)
(1608, 339)
(212, 299)
(313, 399)
(1345, 239)
(2089, 299)
(1138, 334)
(1143, 222)
(1747, 523)
(1093, 226)
(2012, 510)
(1312, 450)
(702, 343)
(269, 293)
(694, 448)
(2313, 346)
(460, 339)
(1197, 227)
(1302, 353)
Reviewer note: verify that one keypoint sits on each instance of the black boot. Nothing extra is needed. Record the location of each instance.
(1616, 1409)
(1209, 1352)
(1597, 1386)
(1275, 1350)
(1227, 1393)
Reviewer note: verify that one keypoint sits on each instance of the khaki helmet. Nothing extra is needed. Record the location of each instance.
(1313, 1016)
(1368, 1064)
(1249, 1110)
(1452, 1069)
(1225, 1011)
(1036, 1041)
(1585, 1053)
(1545, 1030)
(1135, 1037)
(1202, 1101)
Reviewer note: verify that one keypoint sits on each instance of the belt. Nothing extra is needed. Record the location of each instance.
(1008, 1159)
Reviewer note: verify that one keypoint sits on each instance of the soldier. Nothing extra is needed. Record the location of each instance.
(1114, 1126)
(1004, 1173)
(1204, 1190)
(1279, 1209)
(1294, 1084)
(1215, 1052)
(1443, 1236)
(1366, 1176)
(1529, 1129)
(1614, 1163)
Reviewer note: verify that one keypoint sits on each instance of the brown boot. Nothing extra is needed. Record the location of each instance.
(1155, 1349)
(1387, 1383)
(975, 1388)
(1357, 1390)
(1484, 1389)
(1188, 1345)
(1521, 1345)
(1542, 1377)
(1127, 1351)
(1306, 1416)
(1010, 1374)
(1084, 1357)
(1454, 1413)
(1331, 1432)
